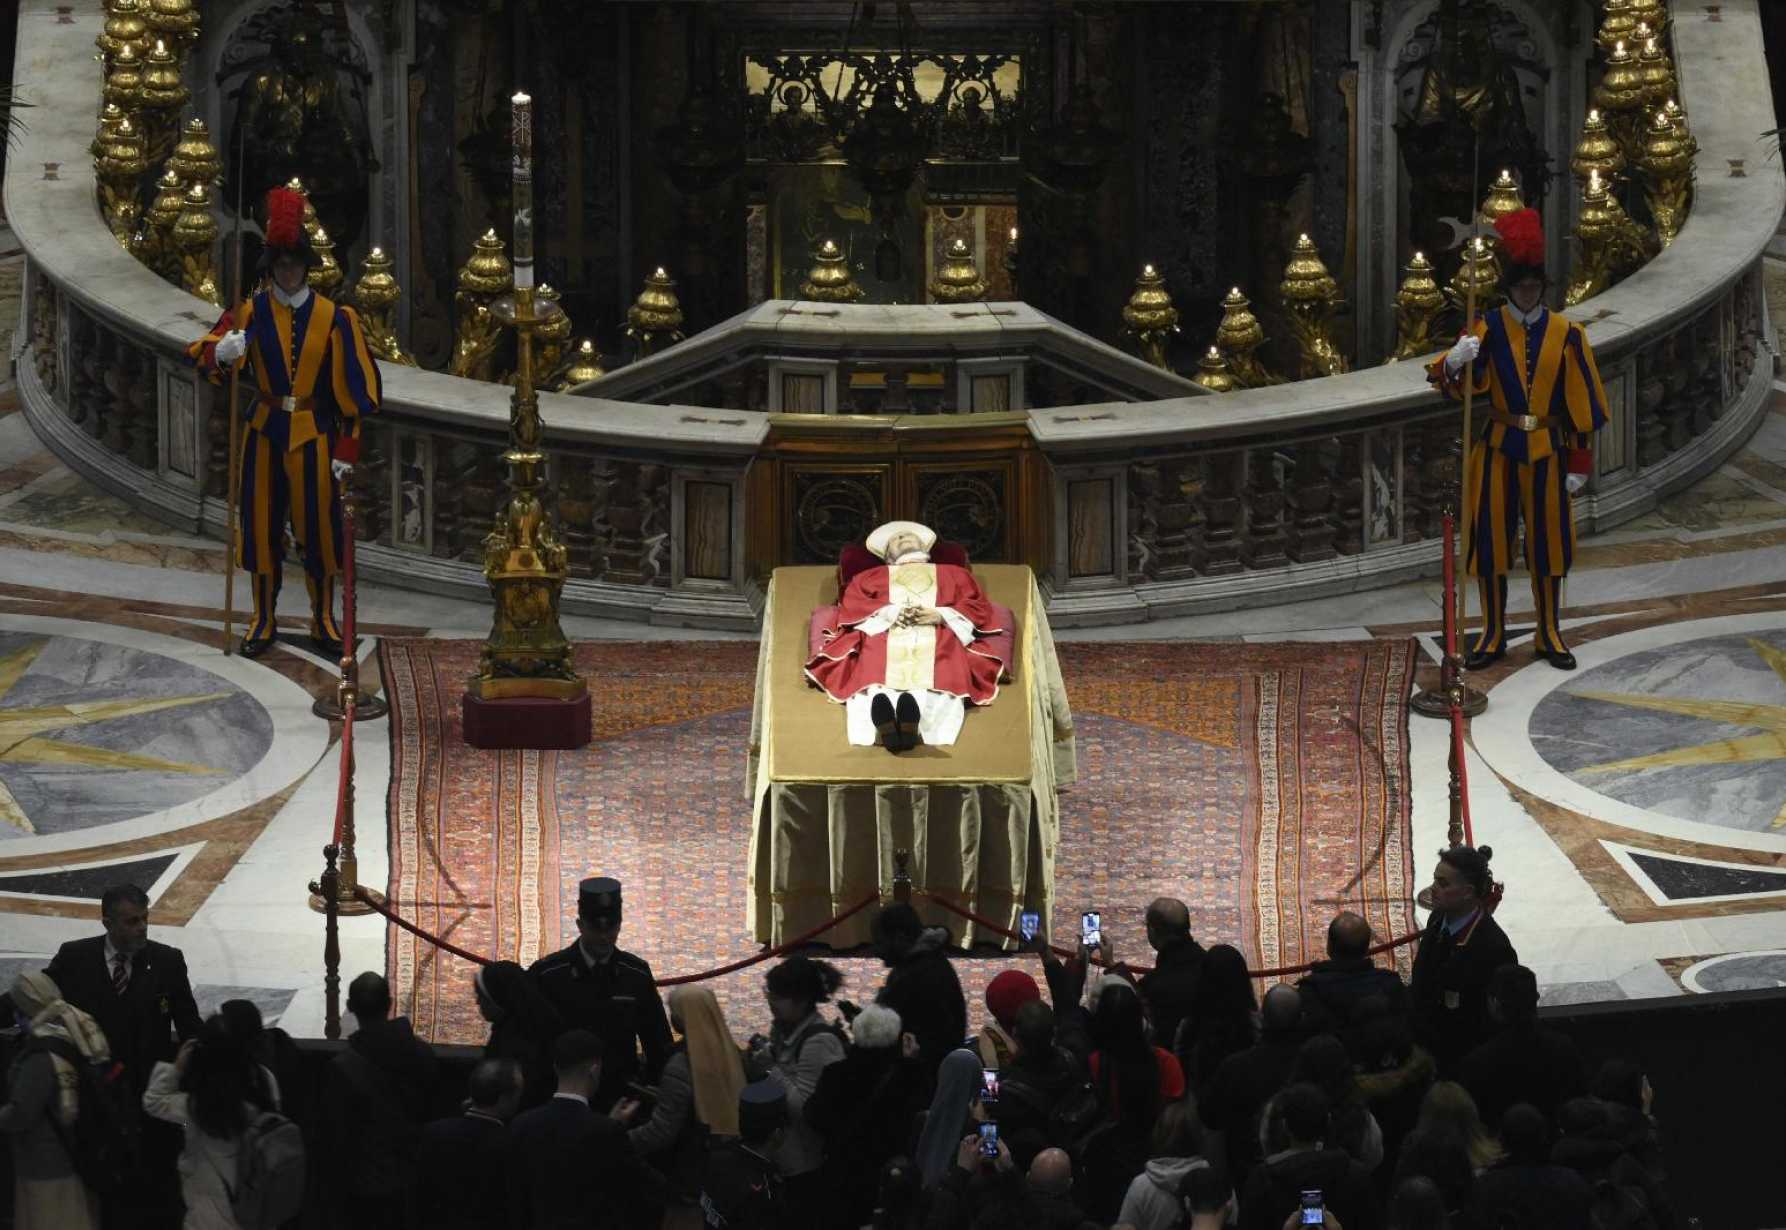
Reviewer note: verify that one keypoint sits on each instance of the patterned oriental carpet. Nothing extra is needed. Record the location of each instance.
(1266, 785)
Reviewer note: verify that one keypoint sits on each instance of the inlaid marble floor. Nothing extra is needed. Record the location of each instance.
(1637, 806)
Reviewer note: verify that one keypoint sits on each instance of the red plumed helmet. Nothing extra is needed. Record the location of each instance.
(1522, 237)
(285, 219)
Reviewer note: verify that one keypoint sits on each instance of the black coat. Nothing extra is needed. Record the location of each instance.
(1168, 988)
(617, 1001)
(461, 1189)
(1542, 1197)
(1522, 1063)
(923, 989)
(571, 1167)
(1333, 989)
(376, 1097)
(1238, 1093)
(1449, 990)
(155, 1014)
(865, 1108)
(1274, 1190)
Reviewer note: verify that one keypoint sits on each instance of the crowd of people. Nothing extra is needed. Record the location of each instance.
(1088, 1098)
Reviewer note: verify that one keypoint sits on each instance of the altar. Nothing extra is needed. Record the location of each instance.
(981, 818)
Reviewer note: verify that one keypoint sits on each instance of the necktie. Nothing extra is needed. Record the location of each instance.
(120, 974)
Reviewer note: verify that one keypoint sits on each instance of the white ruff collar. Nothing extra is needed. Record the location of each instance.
(295, 301)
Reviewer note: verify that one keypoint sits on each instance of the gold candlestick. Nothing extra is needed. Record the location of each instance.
(1596, 151)
(1310, 297)
(1150, 318)
(585, 365)
(526, 653)
(1239, 337)
(1213, 374)
(483, 279)
(376, 295)
(1417, 305)
(195, 231)
(830, 279)
(195, 159)
(1479, 275)
(655, 312)
(957, 279)
(1667, 167)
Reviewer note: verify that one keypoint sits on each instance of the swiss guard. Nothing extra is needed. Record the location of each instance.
(316, 381)
(1533, 454)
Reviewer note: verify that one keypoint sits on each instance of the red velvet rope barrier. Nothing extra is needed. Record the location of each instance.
(345, 778)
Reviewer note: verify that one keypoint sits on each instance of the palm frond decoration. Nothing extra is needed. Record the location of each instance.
(11, 103)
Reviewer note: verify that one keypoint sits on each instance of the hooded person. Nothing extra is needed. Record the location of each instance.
(907, 651)
(1532, 451)
(43, 1103)
(1006, 994)
(315, 380)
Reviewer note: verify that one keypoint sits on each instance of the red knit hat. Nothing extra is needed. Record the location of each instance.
(1007, 993)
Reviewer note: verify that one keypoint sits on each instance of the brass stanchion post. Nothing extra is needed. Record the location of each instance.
(347, 692)
(328, 890)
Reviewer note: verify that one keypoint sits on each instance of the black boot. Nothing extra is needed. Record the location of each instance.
(325, 634)
(1491, 643)
(262, 626)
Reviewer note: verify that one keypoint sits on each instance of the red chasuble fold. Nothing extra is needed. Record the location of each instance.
(909, 659)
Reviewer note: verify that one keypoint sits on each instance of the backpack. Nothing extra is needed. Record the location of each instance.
(104, 1143)
(269, 1187)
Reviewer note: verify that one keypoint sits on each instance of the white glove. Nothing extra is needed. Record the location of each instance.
(1575, 482)
(1465, 351)
(343, 468)
(230, 347)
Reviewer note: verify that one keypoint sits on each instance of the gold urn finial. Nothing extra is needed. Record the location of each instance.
(1310, 297)
(1620, 97)
(830, 279)
(1651, 13)
(1417, 305)
(1213, 374)
(485, 277)
(957, 279)
(585, 365)
(119, 167)
(109, 115)
(488, 271)
(376, 294)
(311, 223)
(1609, 242)
(1655, 72)
(162, 85)
(1618, 23)
(195, 233)
(124, 27)
(195, 159)
(1597, 150)
(174, 20)
(1149, 316)
(1503, 198)
(156, 247)
(1480, 271)
(1667, 166)
(656, 312)
(124, 79)
(1238, 337)
(327, 275)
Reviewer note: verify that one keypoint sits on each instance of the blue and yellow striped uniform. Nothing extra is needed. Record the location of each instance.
(317, 380)
(1544, 401)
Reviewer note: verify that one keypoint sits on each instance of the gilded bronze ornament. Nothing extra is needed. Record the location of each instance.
(124, 27)
(958, 279)
(552, 333)
(176, 21)
(1596, 151)
(120, 169)
(1612, 244)
(585, 365)
(830, 280)
(1651, 13)
(376, 295)
(1213, 373)
(1417, 306)
(326, 275)
(107, 132)
(655, 313)
(1620, 98)
(1478, 275)
(162, 93)
(195, 233)
(1150, 318)
(1654, 70)
(195, 159)
(483, 279)
(1239, 337)
(1618, 24)
(154, 244)
(1503, 198)
(1310, 297)
(526, 653)
(124, 80)
(1667, 167)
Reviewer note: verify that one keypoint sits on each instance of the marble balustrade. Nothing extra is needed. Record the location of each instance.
(1166, 500)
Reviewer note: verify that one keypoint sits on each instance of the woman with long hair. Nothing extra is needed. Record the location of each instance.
(208, 1091)
(1134, 1080)
(1448, 1145)
(800, 1045)
(1223, 1019)
(697, 1093)
(1322, 1061)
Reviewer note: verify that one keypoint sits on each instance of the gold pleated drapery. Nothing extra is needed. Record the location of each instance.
(981, 818)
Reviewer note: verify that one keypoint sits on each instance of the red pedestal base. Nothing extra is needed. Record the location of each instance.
(532, 722)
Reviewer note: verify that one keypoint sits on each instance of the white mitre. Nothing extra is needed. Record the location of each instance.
(877, 541)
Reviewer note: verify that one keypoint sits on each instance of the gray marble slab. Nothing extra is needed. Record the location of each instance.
(1558, 994)
(1761, 971)
(1574, 733)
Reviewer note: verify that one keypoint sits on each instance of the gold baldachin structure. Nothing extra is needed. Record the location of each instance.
(1417, 305)
(120, 167)
(376, 295)
(1480, 271)
(195, 159)
(1150, 318)
(585, 365)
(195, 232)
(656, 313)
(1596, 151)
(1620, 98)
(154, 243)
(526, 653)
(327, 275)
(1310, 297)
(1238, 337)
(1667, 166)
(958, 279)
(1612, 244)
(1213, 373)
(830, 279)
(1503, 198)
(483, 279)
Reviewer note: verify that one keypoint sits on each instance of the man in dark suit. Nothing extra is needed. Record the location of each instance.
(460, 1189)
(1522, 1061)
(1333, 989)
(1459, 952)
(570, 1166)
(1168, 989)
(596, 986)
(135, 988)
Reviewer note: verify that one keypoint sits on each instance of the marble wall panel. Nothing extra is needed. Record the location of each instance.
(1091, 525)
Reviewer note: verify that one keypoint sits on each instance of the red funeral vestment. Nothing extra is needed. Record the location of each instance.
(915, 658)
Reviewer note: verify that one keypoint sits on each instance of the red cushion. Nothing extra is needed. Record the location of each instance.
(856, 558)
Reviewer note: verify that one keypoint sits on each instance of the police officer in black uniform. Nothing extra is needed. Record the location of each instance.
(596, 986)
(741, 1188)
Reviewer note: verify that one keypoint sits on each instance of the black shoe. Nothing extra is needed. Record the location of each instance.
(1482, 659)
(880, 712)
(255, 646)
(907, 714)
(326, 646)
(1562, 659)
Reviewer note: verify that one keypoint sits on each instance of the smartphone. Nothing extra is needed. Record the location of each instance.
(989, 1140)
(1313, 1213)
(1091, 929)
(989, 1086)
(1028, 923)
